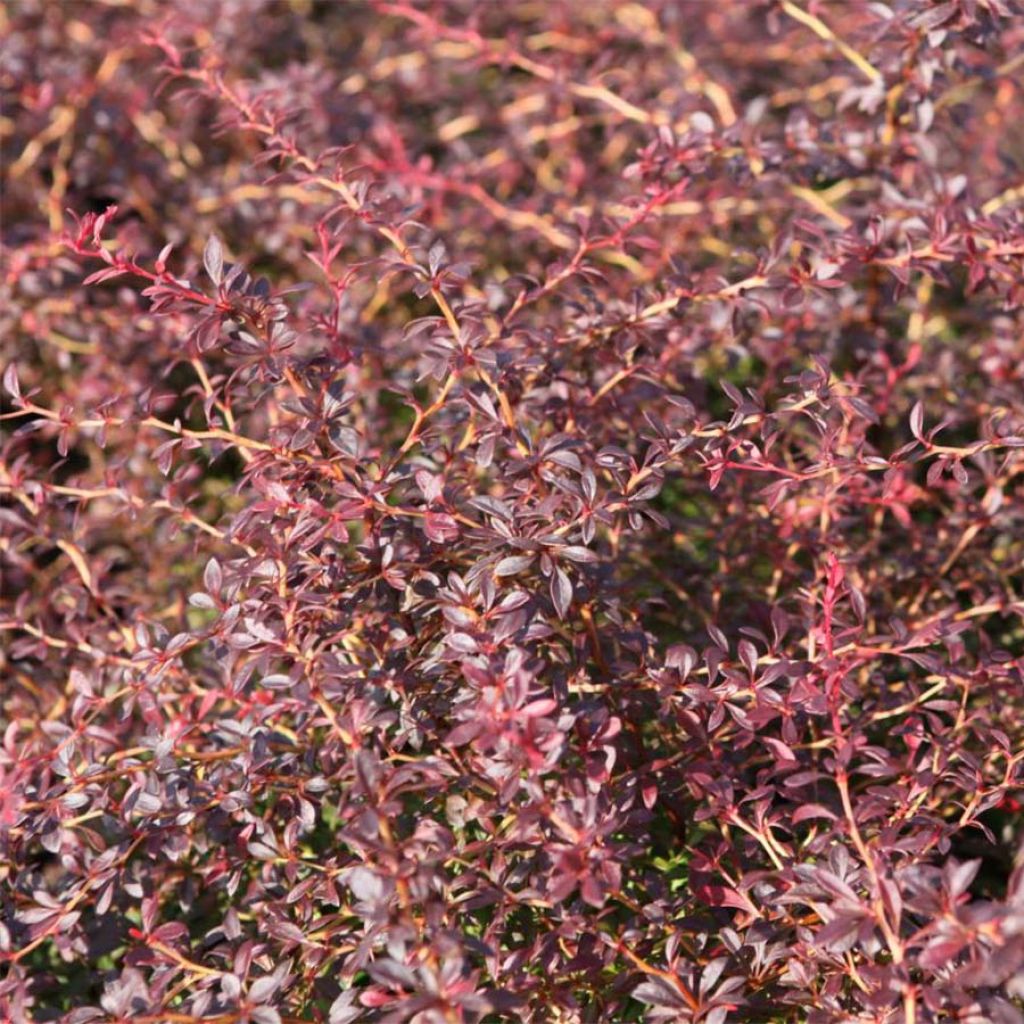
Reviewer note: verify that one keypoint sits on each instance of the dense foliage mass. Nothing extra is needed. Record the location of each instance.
(512, 511)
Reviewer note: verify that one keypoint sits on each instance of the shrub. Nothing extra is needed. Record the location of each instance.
(512, 511)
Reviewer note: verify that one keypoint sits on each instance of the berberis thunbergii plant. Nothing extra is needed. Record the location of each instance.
(512, 511)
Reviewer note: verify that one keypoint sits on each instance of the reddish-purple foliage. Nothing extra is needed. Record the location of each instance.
(512, 511)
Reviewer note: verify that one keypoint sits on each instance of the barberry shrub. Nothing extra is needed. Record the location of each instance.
(512, 511)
